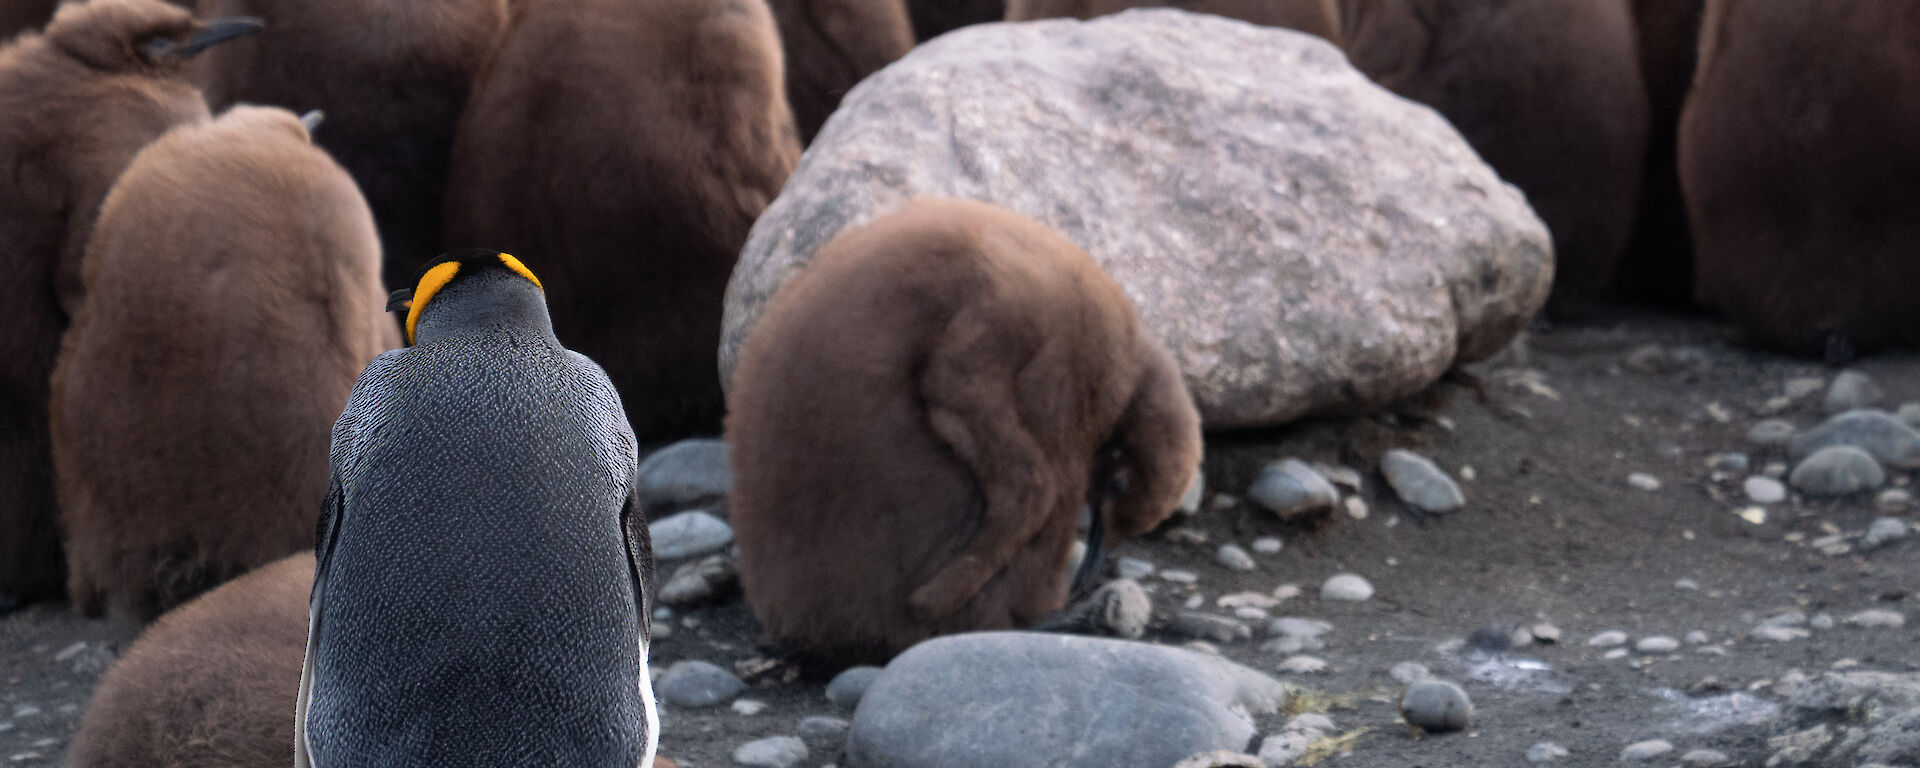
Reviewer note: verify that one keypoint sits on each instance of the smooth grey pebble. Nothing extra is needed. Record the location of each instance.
(1420, 483)
(1436, 705)
(847, 687)
(1289, 488)
(1837, 470)
(699, 684)
(773, 752)
(1645, 750)
(1346, 587)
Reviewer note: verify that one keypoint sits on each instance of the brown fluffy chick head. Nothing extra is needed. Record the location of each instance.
(135, 35)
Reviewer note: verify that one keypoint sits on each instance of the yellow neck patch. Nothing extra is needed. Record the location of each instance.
(438, 277)
(515, 265)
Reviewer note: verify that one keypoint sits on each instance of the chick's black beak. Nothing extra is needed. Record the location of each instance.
(219, 31)
(400, 300)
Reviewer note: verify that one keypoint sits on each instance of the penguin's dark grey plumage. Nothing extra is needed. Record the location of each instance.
(484, 576)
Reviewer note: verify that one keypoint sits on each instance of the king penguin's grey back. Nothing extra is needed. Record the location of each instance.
(478, 600)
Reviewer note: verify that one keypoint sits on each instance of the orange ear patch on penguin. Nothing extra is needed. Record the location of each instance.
(430, 284)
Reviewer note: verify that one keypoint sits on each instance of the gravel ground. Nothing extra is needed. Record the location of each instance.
(1591, 507)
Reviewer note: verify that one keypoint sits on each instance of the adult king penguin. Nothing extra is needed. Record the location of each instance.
(484, 577)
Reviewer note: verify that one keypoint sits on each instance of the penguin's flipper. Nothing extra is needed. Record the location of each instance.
(639, 544)
(329, 532)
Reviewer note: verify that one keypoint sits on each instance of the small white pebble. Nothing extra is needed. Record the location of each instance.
(1303, 665)
(1645, 750)
(1203, 647)
(748, 707)
(1346, 587)
(1877, 617)
(1408, 671)
(1608, 639)
(1643, 481)
(1311, 721)
(1778, 634)
(1240, 600)
(1893, 501)
(1765, 490)
(1268, 545)
(1234, 558)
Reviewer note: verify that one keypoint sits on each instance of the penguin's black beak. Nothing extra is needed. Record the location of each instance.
(400, 300)
(213, 33)
(219, 31)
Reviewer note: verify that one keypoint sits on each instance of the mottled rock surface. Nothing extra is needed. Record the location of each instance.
(1054, 700)
(1891, 441)
(1302, 240)
(1849, 718)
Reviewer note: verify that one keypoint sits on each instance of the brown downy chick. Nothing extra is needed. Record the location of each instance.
(932, 18)
(17, 16)
(1548, 93)
(392, 77)
(630, 143)
(918, 420)
(233, 298)
(1317, 17)
(76, 102)
(831, 45)
(1799, 169)
(211, 684)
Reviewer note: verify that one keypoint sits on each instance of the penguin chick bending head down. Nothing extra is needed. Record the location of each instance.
(484, 576)
(919, 418)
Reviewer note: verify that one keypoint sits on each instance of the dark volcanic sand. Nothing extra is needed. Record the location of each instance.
(1552, 533)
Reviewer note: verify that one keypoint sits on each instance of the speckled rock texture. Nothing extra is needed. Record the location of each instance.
(1849, 718)
(1031, 699)
(1304, 241)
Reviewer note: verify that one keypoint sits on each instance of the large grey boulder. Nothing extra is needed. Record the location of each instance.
(1302, 240)
(1014, 699)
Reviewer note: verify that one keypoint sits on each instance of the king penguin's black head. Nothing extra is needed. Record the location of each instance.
(468, 288)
